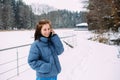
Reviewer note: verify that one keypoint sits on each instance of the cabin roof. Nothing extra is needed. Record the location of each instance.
(82, 24)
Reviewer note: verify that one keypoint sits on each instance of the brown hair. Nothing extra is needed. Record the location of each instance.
(39, 26)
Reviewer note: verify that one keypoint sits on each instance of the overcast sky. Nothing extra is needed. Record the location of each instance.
(73, 5)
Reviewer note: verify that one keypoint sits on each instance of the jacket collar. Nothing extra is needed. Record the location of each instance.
(44, 39)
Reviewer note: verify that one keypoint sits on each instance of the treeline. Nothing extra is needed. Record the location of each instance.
(64, 18)
(104, 15)
(15, 14)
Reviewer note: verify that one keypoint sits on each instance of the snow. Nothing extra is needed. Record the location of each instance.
(87, 60)
(15, 38)
(82, 24)
(90, 61)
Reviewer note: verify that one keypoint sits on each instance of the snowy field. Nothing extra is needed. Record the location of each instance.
(87, 60)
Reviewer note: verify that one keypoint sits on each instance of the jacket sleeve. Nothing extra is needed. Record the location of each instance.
(35, 62)
(57, 44)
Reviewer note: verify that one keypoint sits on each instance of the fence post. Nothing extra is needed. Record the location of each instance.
(17, 63)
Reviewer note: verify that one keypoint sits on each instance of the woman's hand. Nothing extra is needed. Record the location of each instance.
(53, 32)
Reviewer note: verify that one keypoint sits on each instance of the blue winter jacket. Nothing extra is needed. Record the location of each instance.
(43, 56)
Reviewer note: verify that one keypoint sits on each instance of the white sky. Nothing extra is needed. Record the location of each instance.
(73, 5)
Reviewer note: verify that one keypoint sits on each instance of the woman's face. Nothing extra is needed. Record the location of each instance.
(46, 30)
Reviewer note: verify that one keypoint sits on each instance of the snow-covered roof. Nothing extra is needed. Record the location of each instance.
(82, 24)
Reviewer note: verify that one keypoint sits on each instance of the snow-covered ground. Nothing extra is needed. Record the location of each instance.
(87, 60)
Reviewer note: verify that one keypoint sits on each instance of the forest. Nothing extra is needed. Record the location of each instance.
(104, 15)
(101, 15)
(16, 15)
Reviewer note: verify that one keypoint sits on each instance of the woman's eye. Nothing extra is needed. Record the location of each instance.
(44, 29)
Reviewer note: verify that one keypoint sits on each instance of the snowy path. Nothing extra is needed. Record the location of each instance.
(88, 60)
(90, 63)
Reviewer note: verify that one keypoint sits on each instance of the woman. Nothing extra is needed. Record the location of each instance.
(44, 51)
